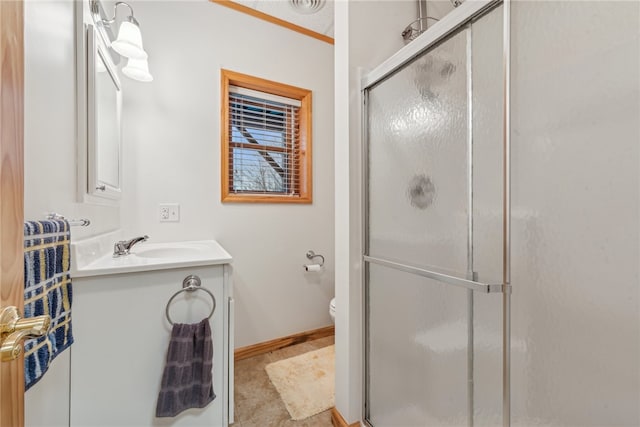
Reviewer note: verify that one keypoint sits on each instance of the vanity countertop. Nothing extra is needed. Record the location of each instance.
(88, 260)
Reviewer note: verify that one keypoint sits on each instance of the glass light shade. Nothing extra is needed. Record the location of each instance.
(137, 69)
(129, 41)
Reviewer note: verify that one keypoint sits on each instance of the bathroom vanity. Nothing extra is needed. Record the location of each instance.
(121, 331)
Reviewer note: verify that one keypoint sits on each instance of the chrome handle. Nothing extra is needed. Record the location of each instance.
(440, 277)
(101, 187)
(14, 329)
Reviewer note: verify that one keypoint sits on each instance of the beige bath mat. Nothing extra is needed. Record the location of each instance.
(305, 382)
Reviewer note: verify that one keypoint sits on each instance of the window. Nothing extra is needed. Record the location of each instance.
(266, 141)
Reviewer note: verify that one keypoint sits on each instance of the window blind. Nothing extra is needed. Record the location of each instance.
(264, 95)
(264, 145)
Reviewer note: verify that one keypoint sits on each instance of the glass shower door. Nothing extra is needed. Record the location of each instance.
(434, 200)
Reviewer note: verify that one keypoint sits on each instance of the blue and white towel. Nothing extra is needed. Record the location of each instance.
(47, 290)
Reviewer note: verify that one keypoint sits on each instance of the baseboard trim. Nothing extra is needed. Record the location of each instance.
(278, 343)
(338, 421)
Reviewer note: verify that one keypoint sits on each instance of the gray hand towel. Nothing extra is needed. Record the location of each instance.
(187, 381)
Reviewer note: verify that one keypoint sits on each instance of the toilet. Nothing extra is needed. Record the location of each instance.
(332, 310)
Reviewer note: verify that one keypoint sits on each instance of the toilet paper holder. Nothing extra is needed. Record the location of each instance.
(311, 255)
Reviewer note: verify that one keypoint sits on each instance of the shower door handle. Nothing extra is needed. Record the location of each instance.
(476, 286)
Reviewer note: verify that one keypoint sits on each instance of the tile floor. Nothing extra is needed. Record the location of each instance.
(257, 402)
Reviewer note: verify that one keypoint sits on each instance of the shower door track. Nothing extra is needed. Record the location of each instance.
(456, 19)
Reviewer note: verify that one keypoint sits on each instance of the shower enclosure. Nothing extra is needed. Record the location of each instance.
(436, 185)
(437, 157)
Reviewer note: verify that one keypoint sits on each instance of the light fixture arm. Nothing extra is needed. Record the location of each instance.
(131, 18)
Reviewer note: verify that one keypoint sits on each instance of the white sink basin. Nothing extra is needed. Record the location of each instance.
(177, 251)
(89, 259)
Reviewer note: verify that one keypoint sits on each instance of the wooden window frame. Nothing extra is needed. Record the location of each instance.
(232, 78)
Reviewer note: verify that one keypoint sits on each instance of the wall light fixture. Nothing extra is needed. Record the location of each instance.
(128, 43)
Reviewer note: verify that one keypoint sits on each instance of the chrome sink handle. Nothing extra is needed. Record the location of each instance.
(123, 247)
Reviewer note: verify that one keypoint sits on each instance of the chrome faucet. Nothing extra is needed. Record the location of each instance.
(124, 246)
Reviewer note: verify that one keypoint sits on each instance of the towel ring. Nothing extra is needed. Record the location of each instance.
(191, 283)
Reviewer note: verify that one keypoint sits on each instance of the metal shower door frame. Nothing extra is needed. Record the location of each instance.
(456, 19)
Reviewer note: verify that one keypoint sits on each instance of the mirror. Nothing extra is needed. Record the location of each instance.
(104, 132)
(99, 116)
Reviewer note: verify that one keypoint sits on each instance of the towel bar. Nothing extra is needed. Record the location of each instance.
(83, 222)
(191, 283)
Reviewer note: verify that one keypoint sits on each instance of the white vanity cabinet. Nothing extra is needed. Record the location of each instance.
(121, 336)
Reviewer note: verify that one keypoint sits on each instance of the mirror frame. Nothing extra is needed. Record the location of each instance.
(98, 51)
(87, 31)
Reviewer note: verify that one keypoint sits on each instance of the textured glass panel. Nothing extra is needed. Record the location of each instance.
(488, 105)
(576, 186)
(421, 137)
(417, 351)
(417, 161)
(487, 102)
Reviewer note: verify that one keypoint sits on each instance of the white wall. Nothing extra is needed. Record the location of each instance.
(172, 154)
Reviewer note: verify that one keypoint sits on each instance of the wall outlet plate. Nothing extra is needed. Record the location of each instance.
(169, 212)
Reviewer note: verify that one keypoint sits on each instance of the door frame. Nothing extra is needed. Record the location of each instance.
(12, 196)
(452, 22)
